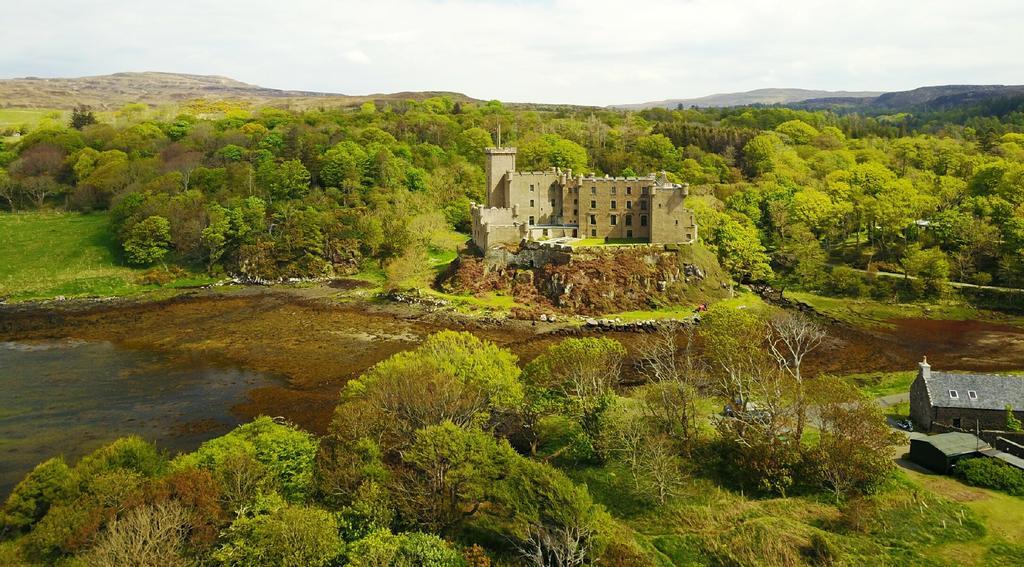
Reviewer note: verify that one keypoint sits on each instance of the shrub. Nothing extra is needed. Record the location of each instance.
(149, 536)
(287, 453)
(992, 473)
(48, 483)
(274, 533)
(383, 548)
(131, 453)
(846, 281)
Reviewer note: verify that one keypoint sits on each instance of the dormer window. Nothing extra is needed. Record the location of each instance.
(972, 394)
(953, 394)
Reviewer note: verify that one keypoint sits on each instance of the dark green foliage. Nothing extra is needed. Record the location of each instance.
(51, 481)
(992, 473)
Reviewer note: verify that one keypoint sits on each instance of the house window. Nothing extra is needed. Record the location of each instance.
(629, 204)
(615, 220)
(972, 394)
(531, 221)
(629, 234)
(613, 204)
(593, 204)
(531, 202)
(953, 394)
(643, 220)
(593, 219)
(629, 220)
(643, 205)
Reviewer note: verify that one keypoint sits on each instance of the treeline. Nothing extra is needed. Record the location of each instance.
(781, 193)
(454, 454)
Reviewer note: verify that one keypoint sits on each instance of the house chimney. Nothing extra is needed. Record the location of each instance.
(925, 371)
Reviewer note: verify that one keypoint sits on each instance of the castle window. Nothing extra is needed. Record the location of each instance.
(972, 394)
(575, 201)
(531, 221)
(575, 212)
(552, 203)
(613, 190)
(629, 220)
(643, 205)
(643, 191)
(531, 188)
(531, 202)
(593, 219)
(953, 394)
(629, 204)
(593, 189)
(629, 234)
(613, 204)
(677, 222)
(629, 190)
(593, 233)
(593, 204)
(615, 220)
(643, 220)
(544, 232)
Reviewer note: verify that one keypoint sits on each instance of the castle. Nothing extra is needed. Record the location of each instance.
(554, 204)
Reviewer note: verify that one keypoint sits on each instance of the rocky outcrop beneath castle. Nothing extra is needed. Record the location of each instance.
(593, 280)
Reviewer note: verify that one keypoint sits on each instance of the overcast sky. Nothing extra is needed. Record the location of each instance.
(574, 51)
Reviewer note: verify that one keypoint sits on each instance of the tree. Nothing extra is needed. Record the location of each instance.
(451, 376)
(8, 190)
(551, 150)
(674, 381)
(147, 241)
(148, 536)
(853, 453)
(275, 533)
(382, 548)
(791, 337)
(40, 188)
(929, 265)
(449, 473)
(82, 116)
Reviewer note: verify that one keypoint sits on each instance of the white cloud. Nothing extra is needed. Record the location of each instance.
(357, 56)
(578, 51)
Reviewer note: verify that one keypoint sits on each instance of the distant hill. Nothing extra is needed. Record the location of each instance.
(758, 96)
(106, 92)
(924, 98)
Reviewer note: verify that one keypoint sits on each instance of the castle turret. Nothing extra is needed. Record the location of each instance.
(498, 162)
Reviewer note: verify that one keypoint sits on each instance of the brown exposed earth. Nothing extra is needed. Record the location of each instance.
(318, 342)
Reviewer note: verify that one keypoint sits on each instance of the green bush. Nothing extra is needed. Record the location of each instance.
(48, 483)
(130, 453)
(412, 549)
(992, 473)
(275, 533)
(288, 453)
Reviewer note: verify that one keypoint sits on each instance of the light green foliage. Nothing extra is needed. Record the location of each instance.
(275, 533)
(412, 549)
(50, 482)
(798, 131)
(285, 451)
(450, 376)
(1012, 423)
(128, 453)
(148, 241)
(551, 150)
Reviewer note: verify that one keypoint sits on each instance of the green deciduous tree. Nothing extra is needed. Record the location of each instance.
(148, 240)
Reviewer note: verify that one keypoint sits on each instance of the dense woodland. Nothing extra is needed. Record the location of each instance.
(782, 194)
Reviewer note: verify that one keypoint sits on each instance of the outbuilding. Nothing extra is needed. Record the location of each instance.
(940, 453)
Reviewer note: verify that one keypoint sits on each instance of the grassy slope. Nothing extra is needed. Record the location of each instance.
(44, 255)
(869, 313)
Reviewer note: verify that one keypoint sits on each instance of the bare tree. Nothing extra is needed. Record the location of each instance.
(791, 337)
(150, 536)
(557, 546)
(674, 379)
(8, 189)
(40, 188)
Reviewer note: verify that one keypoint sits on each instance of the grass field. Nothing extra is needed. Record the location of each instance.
(869, 313)
(45, 255)
(30, 117)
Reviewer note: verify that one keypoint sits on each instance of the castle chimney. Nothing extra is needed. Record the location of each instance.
(925, 371)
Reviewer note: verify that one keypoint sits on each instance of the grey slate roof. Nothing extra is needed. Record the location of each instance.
(994, 391)
(954, 443)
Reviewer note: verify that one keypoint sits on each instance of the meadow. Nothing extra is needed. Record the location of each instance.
(47, 255)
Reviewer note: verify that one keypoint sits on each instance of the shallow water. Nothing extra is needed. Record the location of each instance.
(68, 397)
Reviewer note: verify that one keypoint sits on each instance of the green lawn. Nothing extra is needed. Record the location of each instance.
(45, 255)
(30, 117)
(869, 313)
